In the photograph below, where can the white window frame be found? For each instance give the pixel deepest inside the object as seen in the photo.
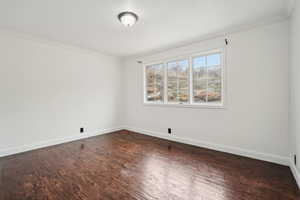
(145, 84)
(190, 103)
(166, 101)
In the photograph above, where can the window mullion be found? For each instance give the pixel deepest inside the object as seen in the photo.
(177, 78)
(165, 83)
(145, 83)
(206, 79)
(191, 86)
(154, 84)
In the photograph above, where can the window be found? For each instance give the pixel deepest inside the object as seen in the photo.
(196, 80)
(178, 81)
(155, 83)
(207, 79)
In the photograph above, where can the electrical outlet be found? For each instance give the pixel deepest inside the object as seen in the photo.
(81, 130)
(295, 159)
(169, 130)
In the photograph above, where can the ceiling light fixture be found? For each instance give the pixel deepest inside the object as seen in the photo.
(128, 18)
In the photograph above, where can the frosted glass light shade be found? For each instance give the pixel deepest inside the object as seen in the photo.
(128, 18)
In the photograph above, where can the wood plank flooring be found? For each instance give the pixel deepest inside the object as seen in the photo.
(125, 165)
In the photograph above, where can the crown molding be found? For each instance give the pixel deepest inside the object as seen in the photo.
(51, 42)
(222, 33)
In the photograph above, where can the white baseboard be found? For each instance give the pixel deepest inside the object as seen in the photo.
(295, 172)
(238, 151)
(24, 148)
(228, 149)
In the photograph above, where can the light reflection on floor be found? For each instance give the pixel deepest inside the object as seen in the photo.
(171, 179)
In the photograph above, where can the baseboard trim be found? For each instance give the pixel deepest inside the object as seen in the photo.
(234, 150)
(24, 148)
(295, 172)
(228, 149)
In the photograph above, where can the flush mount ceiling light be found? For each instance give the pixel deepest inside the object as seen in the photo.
(128, 18)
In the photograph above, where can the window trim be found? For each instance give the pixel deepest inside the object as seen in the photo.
(190, 103)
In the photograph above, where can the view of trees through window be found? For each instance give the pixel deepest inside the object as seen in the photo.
(178, 81)
(203, 75)
(207, 79)
(155, 83)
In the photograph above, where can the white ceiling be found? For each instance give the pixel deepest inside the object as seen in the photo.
(93, 24)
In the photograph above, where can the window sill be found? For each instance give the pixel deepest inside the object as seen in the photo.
(197, 106)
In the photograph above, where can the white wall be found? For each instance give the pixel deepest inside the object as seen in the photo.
(49, 90)
(255, 121)
(295, 83)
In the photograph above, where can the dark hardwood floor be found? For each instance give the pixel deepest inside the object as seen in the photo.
(125, 165)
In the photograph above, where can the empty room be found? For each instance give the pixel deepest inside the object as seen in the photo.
(150, 100)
